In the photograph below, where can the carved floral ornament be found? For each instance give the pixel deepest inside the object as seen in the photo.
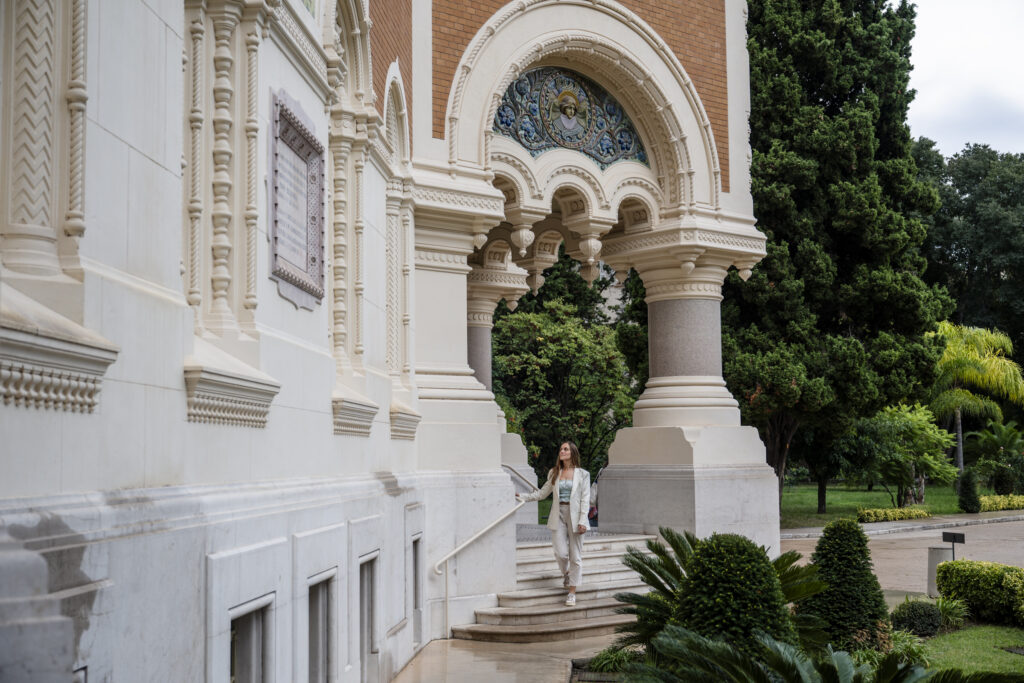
(547, 108)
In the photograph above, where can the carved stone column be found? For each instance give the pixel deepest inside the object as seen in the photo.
(487, 285)
(687, 462)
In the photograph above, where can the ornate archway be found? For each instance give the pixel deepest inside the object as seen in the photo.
(554, 138)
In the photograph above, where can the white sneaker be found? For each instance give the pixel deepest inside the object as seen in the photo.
(570, 600)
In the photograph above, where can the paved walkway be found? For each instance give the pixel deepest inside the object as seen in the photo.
(899, 551)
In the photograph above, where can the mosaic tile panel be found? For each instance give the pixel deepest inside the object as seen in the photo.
(548, 107)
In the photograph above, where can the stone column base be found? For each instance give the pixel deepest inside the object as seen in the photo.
(697, 479)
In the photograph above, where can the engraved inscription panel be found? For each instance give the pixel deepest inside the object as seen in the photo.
(297, 213)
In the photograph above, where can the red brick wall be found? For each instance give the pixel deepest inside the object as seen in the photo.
(391, 38)
(694, 29)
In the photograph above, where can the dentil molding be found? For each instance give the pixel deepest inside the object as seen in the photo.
(223, 390)
(47, 361)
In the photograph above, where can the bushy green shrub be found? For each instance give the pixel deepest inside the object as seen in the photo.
(853, 602)
(1009, 502)
(732, 592)
(1003, 480)
(969, 492)
(953, 612)
(890, 514)
(917, 616)
(993, 592)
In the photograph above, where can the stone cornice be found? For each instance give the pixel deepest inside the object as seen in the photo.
(46, 360)
(404, 421)
(352, 416)
(223, 390)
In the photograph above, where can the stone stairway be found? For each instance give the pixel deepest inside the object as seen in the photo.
(535, 610)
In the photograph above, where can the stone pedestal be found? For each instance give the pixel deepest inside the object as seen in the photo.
(702, 479)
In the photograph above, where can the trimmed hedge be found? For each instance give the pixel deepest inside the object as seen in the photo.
(890, 514)
(1010, 502)
(731, 592)
(993, 592)
(852, 606)
(917, 616)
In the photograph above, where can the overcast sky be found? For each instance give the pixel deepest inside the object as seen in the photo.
(968, 58)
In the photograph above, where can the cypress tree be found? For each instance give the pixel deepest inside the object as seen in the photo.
(831, 325)
(853, 606)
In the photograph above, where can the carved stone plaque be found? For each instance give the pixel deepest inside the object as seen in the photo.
(297, 208)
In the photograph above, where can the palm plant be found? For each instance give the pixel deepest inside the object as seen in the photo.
(975, 366)
(663, 571)
(685, 656)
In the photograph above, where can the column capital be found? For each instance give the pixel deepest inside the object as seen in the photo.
(487, 286)
(685, 262)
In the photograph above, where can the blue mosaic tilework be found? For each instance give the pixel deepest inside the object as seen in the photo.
(547, 107)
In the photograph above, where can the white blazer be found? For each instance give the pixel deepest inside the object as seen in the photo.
(579, 499)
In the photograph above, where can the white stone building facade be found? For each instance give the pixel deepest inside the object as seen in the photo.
(249, 253)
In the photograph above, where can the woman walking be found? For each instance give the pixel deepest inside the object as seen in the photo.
(568, 484)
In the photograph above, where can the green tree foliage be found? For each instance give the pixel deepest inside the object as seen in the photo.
(732, 591)
(830, 326)
(1000, 451)
(975, 365)
(852, 606)
(912, 450)
(631, 330)
(562, 380)
(974, 248)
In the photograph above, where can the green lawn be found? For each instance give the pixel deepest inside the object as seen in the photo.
(977, 648)
(543, 508)
(800, 503)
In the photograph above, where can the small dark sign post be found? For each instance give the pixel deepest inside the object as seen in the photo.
(952, 539)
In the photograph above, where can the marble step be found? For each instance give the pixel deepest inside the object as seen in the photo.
(547, 614)
(553, 577)
(532, 633)
(597, 558)
(616, 543)
(553, 595)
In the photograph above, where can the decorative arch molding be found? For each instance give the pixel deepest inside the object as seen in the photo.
(347, 44)
(630, 60)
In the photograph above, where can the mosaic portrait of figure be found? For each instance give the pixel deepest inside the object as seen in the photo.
(547, 108)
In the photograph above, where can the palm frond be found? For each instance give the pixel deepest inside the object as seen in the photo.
(651, 570)
(798, 581)
(948, 402)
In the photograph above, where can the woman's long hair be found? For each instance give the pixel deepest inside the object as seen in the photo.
(574, 460)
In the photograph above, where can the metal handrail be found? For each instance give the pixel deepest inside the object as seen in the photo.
(472, 539)
(521, 477)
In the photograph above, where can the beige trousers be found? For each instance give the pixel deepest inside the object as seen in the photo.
(568, 546)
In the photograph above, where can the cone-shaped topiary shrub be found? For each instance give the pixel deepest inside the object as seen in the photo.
(853, 604)
(969, 501)
(732, 592)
